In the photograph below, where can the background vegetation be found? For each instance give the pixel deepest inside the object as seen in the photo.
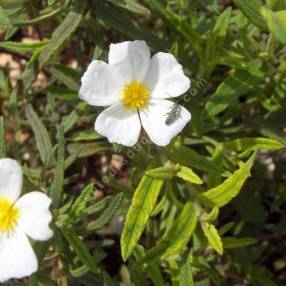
(195, 218)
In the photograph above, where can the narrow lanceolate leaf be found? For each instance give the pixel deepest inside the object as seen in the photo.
(232, 242)
(31, 70)
(132, 6)
(79, 248)
(187, 174)
(177, 237)
(107, 214)
(87, 135)
(188, 157)
(22, 47)
(164, 173)
(3, 143)
(68, 76)
(43, 140)
(225, 192)
(87, 149)
(60, 35)
(70, 120)
(222, 23)
(213, 237)
(246, 145)
(80, 204)
(186, 274)
(235, 85)
(276, 23)
(142, 204)
(58, 181)
(251, 9)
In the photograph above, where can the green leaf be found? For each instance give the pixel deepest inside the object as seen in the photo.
(168, 172)
(235, 85)
(164, 173)
(212, 216)
(208, 5)
(88, 135)
(225, 192)
(5, 22)
(66, 75)
(132, 6)
(276, 23)
(188, 157)
(119, 19)
(41, 18)
(142, 204)
(79, 206)
(80, 249)
(225, 228)
(269, 127)
(42, 137)
(187, 174)
(232, 242)
(70, 120)
(87, 149)
(176, 23)
(98, 206)
(186, 274)
(251, 10)
(222, 23)
(22, 47)
(31, 69)
(62, 93)
(83, 270)
(3, 143)
(276, 5)
(107, 214)
(59, 36)
(58, 181)
(152, 270)
(214, 178)
(177, 237)
(247, 145)
(213, 237)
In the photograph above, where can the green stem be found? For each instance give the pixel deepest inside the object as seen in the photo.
(40, 19)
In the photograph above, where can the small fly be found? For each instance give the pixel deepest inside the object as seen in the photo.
(173, 114)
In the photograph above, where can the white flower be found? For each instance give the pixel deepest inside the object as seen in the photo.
(135, 87)
(20, 218)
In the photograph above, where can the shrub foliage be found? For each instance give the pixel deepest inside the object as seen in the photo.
(209, 209)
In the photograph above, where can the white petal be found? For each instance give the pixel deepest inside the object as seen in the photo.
(119, 125)
(153, 120)
(11, 177)
(166, 77)
(131, 59)
(100, 85)
(35, 215)
(17, 258)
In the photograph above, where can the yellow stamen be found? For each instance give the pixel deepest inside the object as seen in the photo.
(8, 215)
(135, 95)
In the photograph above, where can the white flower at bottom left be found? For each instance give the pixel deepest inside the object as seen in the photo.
(20, 218)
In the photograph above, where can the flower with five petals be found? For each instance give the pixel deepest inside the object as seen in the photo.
(136, 88)
(20, 218)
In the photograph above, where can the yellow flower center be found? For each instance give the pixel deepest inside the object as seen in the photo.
(8, 215)
(135, 95)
